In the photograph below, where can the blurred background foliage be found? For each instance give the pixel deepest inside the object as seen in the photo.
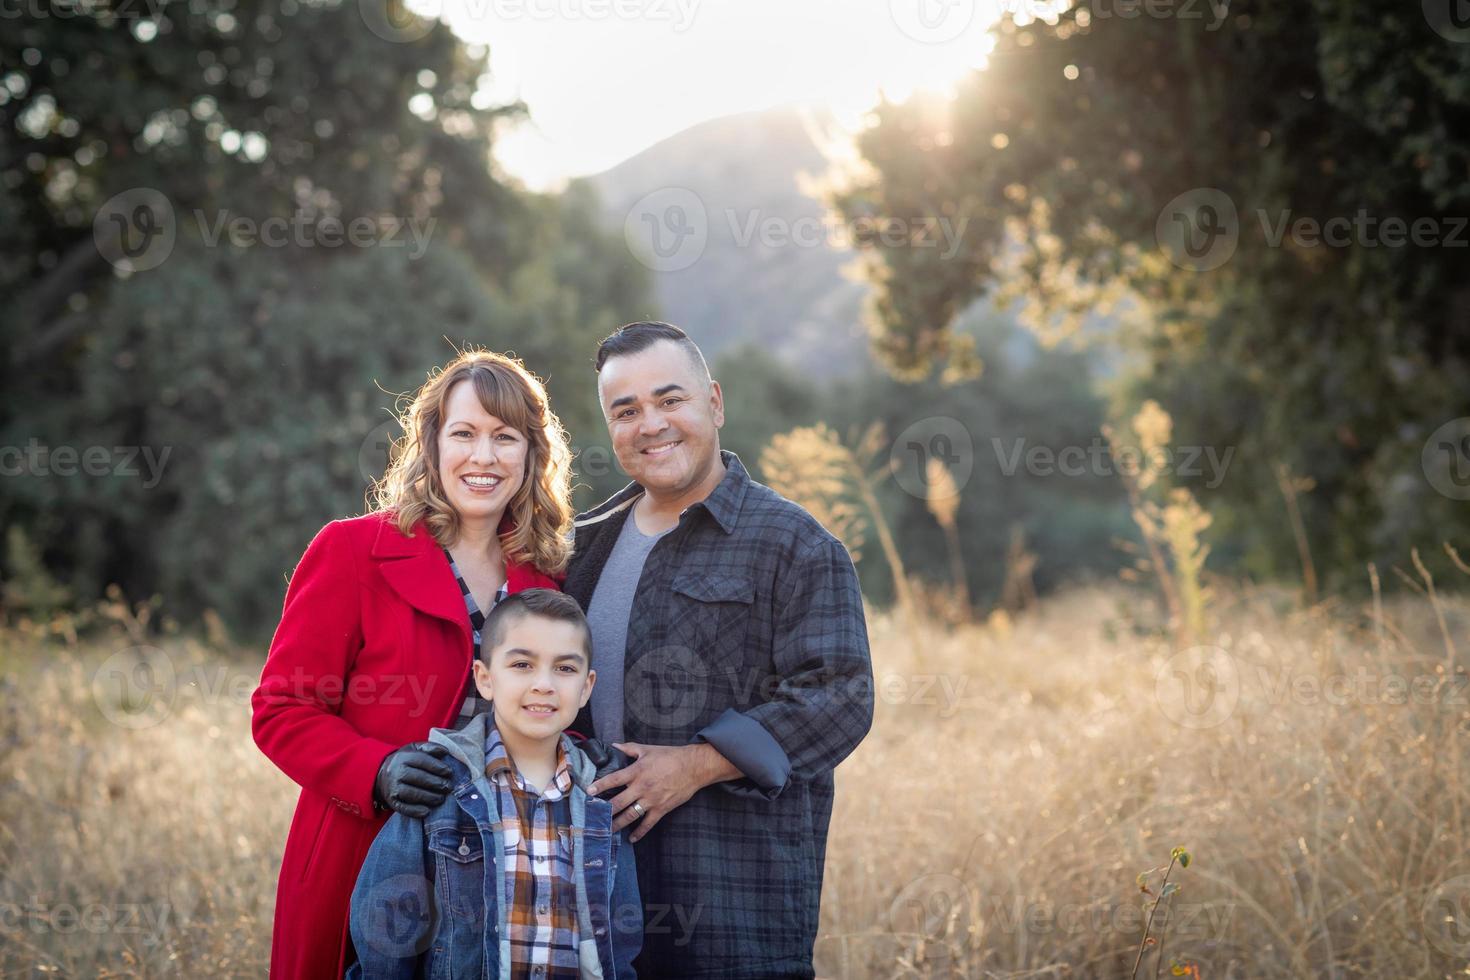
(266, 372)
(1336, 362)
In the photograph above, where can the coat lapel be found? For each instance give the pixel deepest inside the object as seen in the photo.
(417, 570)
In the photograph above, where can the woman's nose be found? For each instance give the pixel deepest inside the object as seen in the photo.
(484, 451)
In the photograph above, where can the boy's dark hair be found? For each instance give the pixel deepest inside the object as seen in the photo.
(634, 338)
(546, 603)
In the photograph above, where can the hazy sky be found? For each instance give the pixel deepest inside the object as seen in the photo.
(607, 78)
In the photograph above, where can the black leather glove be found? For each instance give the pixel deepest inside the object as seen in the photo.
(604, 757)
(413, 779)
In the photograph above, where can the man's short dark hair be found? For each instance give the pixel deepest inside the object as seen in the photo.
(634, 338)
(546, 603)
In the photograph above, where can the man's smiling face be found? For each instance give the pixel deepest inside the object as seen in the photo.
(664, 417)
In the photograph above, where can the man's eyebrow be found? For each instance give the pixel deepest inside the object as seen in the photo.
(657, 393)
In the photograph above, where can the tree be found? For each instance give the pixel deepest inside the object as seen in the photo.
(250, 352)
(1092, 146)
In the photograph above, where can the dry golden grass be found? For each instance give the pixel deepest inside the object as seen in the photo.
(1017, 778)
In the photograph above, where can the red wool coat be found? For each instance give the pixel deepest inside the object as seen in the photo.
(372, 651)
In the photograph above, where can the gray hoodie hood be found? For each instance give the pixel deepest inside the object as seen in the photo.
(468, 746)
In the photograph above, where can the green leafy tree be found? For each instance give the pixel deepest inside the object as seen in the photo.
(263, 371)
(1068, 156)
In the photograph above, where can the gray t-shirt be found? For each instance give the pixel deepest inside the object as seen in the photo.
(607, 615)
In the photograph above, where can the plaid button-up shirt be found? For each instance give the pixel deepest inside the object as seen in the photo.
(746, 632)
(540, 891)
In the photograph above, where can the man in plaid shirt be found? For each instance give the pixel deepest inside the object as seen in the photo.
(732, 661)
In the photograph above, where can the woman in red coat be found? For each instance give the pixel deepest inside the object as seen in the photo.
(378, 629)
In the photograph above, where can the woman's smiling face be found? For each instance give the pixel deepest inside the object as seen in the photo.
(482, 460)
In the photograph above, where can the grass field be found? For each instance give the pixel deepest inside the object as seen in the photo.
(1017, 779)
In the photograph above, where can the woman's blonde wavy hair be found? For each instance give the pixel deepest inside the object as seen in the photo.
(541, 509)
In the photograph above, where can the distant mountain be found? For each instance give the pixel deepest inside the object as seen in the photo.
(769, 273)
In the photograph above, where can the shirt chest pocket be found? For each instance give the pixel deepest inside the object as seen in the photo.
(710, 617)
(691, 664)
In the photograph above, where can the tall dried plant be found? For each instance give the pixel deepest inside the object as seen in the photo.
(814, 467)
(943, 500)
(1171, 520)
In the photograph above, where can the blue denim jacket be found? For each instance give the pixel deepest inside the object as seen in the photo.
(427, 903)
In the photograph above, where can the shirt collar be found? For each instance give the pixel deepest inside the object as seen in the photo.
(500, 769)
(723, 502)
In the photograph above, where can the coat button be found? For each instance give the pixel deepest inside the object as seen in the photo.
(464, 849)
(474, 796)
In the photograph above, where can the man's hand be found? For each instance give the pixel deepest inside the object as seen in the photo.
(661, 778)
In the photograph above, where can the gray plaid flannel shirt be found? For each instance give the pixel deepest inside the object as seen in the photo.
(747, 631)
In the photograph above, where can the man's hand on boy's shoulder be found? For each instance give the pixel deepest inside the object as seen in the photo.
(660, 779)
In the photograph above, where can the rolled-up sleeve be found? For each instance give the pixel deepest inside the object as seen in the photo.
(822, 703)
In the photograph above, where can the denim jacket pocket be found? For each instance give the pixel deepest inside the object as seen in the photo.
(460, 863)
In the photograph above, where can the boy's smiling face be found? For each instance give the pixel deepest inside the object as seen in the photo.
(538, 677)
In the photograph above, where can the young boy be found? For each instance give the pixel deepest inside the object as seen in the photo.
(517, 873)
